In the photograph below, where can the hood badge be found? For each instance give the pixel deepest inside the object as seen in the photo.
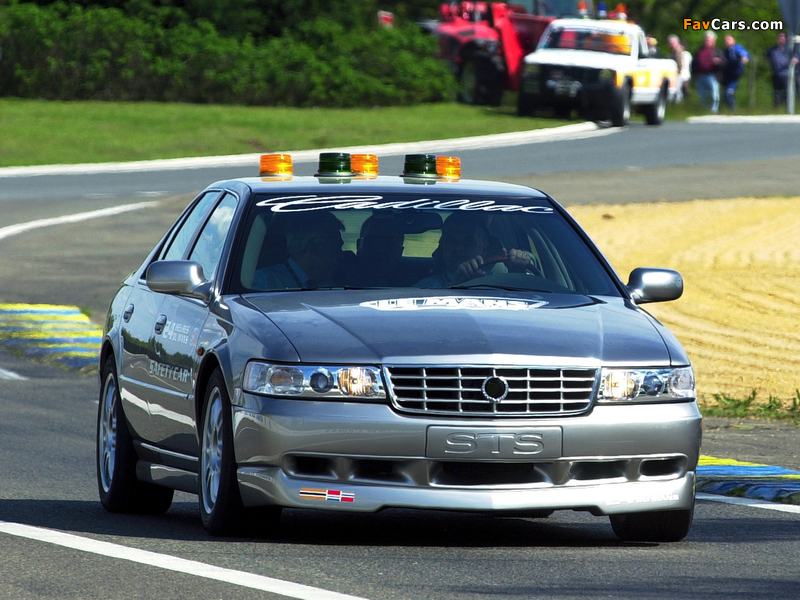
(494, 389)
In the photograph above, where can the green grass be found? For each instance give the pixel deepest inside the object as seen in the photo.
(727, 406)
(35, 132)
(38, 132)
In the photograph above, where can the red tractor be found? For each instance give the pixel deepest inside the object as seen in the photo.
(485, 42)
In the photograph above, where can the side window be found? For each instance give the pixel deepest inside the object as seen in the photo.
(183, 237)
(209, 244)
(644, 50)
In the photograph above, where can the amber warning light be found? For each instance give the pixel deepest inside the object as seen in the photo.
(448, 167)
(364, 164)
(276, 165)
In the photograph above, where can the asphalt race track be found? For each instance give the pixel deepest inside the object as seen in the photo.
(57, 542)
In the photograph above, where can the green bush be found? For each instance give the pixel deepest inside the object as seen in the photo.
(62, 52)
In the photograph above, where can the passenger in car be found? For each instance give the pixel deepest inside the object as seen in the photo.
(314, 251)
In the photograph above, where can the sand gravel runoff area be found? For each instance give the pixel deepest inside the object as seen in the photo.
(739, 316)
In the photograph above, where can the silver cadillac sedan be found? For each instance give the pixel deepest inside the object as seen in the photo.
(354, 342)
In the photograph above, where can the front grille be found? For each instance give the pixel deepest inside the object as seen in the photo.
(582, 74)
(457, 391)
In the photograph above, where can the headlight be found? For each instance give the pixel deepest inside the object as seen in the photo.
(313, 381)
(607, 75)
(646, 385)
(532, 69)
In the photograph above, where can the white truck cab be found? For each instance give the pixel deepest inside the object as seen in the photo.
(601, 68)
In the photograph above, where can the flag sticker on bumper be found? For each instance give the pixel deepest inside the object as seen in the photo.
(331, 495)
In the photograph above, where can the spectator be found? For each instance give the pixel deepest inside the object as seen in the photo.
(736, 57)
(652, 47)
(683, 58)
(707, 63)
(779, 60)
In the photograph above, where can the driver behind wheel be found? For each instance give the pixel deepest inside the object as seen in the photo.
(466, 251)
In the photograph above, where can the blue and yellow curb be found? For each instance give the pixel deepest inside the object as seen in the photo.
(52, 334)
(748, 480)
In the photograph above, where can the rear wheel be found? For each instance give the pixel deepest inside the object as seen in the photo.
(654, 113)
(118, 487)
(480, 82)
(656, 526)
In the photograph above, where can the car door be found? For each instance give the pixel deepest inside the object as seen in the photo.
(140, 366)
(177, 332)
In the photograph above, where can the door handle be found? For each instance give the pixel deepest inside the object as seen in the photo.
(126, 316)
(162, 321)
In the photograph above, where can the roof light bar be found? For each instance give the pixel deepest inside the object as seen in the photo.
(276, 165)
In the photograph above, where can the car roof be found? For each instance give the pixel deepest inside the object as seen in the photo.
(380, 184)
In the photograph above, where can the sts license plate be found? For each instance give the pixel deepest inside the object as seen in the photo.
(500, 443)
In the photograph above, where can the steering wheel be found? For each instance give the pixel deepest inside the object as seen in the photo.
(490, 261)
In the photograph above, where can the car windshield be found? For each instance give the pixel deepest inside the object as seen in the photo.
(595, 40)
(399, 241)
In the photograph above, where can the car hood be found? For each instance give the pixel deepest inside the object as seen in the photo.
(420, 327)
(579, 58)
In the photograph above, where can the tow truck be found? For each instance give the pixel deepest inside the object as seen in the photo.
(485, 42)
(600, 67)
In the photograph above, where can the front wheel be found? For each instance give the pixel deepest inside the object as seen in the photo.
(655, 526)
(621, 111)
(118, 487)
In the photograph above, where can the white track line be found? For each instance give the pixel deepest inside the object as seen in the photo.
(172, 563)
(515, 138)
(10, 375)
(105, 212)
(790, 508)
(735, 119)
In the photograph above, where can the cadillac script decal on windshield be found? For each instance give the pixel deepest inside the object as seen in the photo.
(308, 203)
(453, 303)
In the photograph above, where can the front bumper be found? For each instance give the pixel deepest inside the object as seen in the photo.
(366, 457)
(581, 95)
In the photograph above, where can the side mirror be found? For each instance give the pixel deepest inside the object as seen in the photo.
(178, 278)
(655, 285)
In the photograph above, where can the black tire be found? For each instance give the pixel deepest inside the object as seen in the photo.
(654, 113)
(118, 487)
(656, 526)
(480, 82)
(621, 111)
(220, 502)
